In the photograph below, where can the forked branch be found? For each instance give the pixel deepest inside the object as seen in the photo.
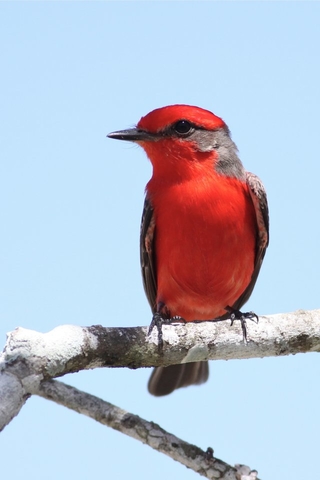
(31, 359)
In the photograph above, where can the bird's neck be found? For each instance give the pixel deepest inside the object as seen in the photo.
(172, 171)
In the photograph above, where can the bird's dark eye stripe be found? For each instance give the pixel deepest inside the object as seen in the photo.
(182, 127)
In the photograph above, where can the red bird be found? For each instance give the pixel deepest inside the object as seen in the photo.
(205, 226)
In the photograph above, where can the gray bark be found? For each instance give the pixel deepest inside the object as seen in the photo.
(31, 359)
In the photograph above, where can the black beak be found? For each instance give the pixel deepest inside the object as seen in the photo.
(133, 135)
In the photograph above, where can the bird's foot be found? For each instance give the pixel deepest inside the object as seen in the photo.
(243, 317)
(157, 321)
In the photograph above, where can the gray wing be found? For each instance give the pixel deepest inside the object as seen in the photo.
(259, 200)
(147, 255)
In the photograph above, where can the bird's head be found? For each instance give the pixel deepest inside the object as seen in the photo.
(182, 140)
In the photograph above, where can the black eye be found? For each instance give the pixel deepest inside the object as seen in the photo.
(182, 127)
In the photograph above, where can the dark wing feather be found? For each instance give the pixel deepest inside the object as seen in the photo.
(259, 200)
(147, 255)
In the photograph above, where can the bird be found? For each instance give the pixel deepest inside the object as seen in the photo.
(204, 227)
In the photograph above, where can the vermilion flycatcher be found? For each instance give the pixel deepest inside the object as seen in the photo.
(204, 229)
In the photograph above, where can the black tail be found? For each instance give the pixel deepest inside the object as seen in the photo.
(165, 380)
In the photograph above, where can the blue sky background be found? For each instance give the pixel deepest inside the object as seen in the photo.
(71, 203)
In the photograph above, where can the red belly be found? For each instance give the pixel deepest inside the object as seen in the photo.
(204, 245)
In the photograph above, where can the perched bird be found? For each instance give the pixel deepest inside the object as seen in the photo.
(204, 229)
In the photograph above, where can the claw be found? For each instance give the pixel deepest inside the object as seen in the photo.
(243, 317)
(157, 321)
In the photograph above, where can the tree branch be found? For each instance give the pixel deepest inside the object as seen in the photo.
(69, 348)
(146, 432)
(30, 358)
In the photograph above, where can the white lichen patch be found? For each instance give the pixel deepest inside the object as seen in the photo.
(54, 347)
(196, 353)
